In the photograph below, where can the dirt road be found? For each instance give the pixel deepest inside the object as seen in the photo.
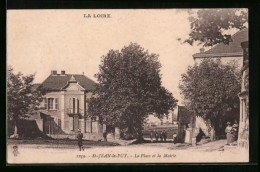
(136, 153)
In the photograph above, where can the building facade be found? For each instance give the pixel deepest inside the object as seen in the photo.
(152, 120)
(232, 53)
(243, 135)
(64, 110)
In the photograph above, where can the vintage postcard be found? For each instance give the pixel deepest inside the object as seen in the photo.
(127, 86)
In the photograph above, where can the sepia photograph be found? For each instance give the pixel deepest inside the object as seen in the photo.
(127, 86)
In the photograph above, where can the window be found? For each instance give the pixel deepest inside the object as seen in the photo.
(45, 103)
(74, 105)
(51, 103)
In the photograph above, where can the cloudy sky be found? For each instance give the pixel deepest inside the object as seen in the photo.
(39, 41)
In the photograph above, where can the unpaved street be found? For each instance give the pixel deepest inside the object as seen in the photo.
(137, 153)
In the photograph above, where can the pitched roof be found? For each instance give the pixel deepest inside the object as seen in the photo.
(232, 50)
(184, 115)
(57, 82)
(35, 86)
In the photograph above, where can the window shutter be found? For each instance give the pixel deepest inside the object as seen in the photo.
(69, 105)
(49, 103)
(56, 103)
(45, 103)
(74, 106)
(77, 105)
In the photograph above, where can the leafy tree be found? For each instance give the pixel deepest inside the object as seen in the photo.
(129, 89)
(211, 91)
(209, 26)
(23, 100)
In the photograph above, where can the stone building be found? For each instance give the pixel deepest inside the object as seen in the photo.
(64, 107)
(232, 53)
(243, 136)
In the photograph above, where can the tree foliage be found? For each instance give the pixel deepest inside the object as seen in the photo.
(211, 90)
(23, 100)
(209, 25)
(130, 88)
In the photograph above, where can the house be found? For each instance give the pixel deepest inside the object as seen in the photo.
(152, 120)
(64, 108)
(232, 53)
(243, 135)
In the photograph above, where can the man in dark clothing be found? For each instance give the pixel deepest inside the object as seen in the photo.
(80, 137)
(151, 136)
(174, 138)
(105, 136)
(156, 136)
(164, 135)
(161, 136)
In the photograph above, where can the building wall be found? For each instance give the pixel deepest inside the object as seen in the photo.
(243, 135)
(153, 120)
(60, 124)
(225, 60)
(68, 99)
(57, 112)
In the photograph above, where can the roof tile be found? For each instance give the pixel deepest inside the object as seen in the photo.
(57, 82)
(231, 50)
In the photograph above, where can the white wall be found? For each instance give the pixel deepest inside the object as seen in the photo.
(226, 60)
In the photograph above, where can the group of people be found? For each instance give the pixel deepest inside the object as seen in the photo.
(162, 135)
(231, 132)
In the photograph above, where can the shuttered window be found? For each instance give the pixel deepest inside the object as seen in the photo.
(45, 103)
(56, 103)
(50, 103)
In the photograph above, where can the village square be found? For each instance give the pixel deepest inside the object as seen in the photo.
(128, 103)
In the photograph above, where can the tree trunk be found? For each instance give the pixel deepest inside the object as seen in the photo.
(140, 135)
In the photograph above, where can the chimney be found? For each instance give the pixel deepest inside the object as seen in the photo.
(54, 72)
(63, 72)
(202, 50)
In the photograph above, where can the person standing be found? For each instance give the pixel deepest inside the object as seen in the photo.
(151, 136)
(105, 136)
(174, 138)
(80, 137)
(165, 135)
(235, 130)
(156, 136)
(228, 132)
(161, 136)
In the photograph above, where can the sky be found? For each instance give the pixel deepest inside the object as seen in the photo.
(39, 41)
